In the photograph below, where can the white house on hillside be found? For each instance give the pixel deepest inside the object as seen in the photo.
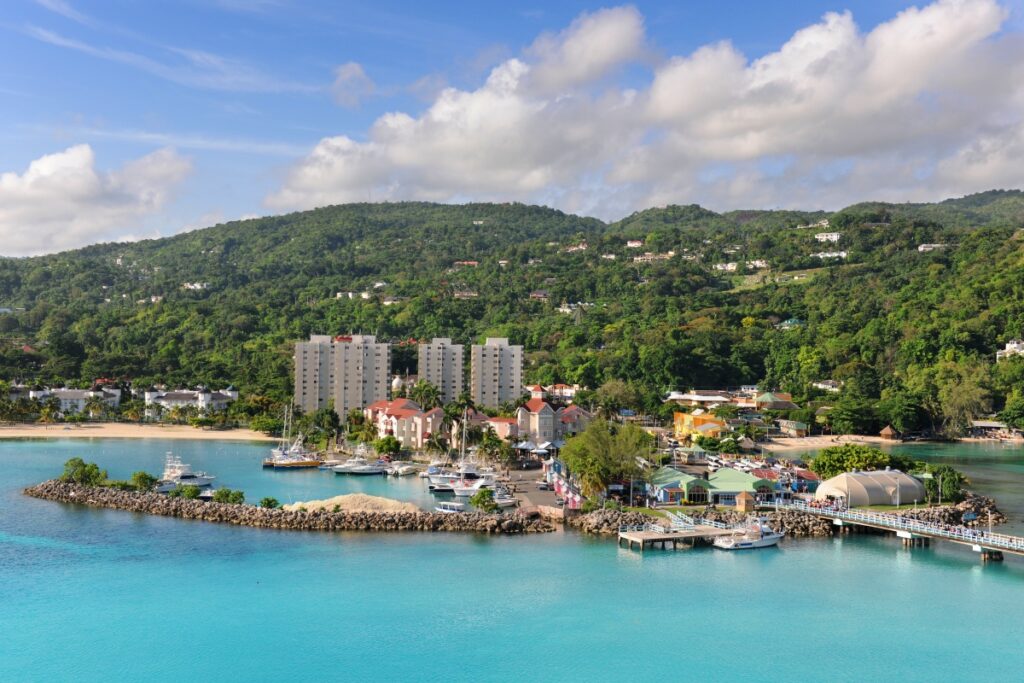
(202, 399)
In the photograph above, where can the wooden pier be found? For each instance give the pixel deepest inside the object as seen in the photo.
(653, 535)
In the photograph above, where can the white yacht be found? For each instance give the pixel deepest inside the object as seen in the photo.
(401, 470)
(466, 472)
(755, 534)
(465, 488)
(504, 499)
(359, 465)
(177, 473)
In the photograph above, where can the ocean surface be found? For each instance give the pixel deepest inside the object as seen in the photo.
(102, 595)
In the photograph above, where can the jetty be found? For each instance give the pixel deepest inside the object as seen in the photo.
(653, 535)
(990, 546)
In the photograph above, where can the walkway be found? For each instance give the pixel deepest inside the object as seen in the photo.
(989, 544)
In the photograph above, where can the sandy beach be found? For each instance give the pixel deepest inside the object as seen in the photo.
(810, 443)
(116, 430)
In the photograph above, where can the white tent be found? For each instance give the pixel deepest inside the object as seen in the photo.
(881, 487)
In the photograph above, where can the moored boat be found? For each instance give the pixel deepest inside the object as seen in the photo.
(754, 534)
(450, 507)
(177, 473)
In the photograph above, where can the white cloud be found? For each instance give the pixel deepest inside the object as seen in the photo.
(191, 68)
(351, 85)
(63, 201)
(926, 105)
(591, 47)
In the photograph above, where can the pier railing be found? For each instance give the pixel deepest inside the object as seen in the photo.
(897, 523)
(680, 520)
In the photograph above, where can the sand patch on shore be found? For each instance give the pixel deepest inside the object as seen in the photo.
(355, 502)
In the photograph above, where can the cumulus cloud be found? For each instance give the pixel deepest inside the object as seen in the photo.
(925, 105)
(351, 85)
(63, 201)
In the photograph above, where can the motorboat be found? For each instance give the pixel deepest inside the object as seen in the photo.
(754, 534)
(360, 466)
(177, 473)
(464, 489)
(450, 507)
(401, 470)
(466, 472)
(504, 499)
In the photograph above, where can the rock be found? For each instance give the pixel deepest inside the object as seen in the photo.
(315, 520)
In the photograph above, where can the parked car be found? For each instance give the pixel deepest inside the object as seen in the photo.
(543, 486)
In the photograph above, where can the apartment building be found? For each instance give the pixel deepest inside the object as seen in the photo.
(353, 370)
(441, 365)
(496, 372)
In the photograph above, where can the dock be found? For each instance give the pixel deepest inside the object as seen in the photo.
(648, 535)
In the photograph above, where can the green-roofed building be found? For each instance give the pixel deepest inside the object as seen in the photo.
(674, 487)
(772, 401)
(727, 483)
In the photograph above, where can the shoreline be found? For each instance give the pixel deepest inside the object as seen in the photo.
(119, 430)
(801, 443)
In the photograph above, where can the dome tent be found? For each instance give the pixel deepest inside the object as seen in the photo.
(880, 487)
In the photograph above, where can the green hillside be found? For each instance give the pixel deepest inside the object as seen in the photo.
(898, 326)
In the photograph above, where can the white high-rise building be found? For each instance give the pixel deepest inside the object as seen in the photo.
(354, 371)
(496, 372)
(441, 365)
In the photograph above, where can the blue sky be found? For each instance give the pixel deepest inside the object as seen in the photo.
(247, 103)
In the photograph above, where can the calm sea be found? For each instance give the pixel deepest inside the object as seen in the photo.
(90, 595)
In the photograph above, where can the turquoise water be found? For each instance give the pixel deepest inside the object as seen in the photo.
(106, 595)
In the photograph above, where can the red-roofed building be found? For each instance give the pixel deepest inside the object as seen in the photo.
(537, 391)
(506, 428)
(404, 420)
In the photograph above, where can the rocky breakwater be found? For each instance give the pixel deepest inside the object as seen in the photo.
(300, 520)
(795, 524)
(973, 511)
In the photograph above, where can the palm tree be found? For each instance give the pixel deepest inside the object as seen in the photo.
(95, 406)
(425, 394)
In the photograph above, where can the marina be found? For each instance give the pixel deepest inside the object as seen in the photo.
(603, 599)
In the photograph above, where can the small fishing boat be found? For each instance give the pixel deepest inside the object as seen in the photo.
(450, 507)
(400, 470)
(754, 534)
(465, 489)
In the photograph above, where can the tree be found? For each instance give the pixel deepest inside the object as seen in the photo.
(143, 481)
(483, 500)
(1013, 413)
(188, 491)
(387, 445)
(951, 480)
(425, 394)
(853, 415)
(78, 471)
(269, 503)
(96, 407)
(835, 460)
(228, 496)
(602, 454)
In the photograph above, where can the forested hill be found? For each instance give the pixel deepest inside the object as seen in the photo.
(224, 304)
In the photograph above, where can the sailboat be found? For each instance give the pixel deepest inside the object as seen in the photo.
(466, 479)
(291, 455)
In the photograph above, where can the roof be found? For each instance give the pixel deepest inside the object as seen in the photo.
(503, 420)
(671, 477)
(378, 405)
(535, 405)
(535, 387)
(728, 479)
(765, 473)
(879, 487)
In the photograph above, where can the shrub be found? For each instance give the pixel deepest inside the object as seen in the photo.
(270, 503)
(230, 497)
(188, 491)
(483, 500)
(78, 471)
(143, 481)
